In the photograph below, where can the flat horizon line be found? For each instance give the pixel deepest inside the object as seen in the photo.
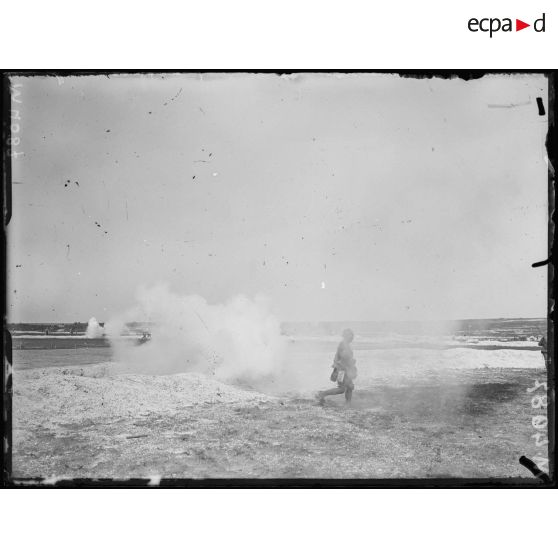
(307, 321)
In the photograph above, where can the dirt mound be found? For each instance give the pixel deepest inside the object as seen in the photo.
(56, 396)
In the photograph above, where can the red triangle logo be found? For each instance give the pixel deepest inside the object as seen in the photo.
(519, 25)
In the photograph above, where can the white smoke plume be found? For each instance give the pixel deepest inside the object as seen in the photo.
(94, 329)
(237, 340)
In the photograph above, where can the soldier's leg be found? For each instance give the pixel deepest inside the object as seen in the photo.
(334, 391)
(349, 388)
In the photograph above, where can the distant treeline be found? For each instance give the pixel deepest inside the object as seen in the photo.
(75, 327)
(501, 326)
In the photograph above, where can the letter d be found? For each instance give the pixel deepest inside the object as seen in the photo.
(541, 30)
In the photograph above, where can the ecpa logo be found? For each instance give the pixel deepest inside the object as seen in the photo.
(494, 24)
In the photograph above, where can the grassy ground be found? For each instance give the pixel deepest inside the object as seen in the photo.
(417, 430)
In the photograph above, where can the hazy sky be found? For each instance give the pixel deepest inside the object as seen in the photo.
(359, 197)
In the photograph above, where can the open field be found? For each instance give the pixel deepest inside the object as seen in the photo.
(95, 421)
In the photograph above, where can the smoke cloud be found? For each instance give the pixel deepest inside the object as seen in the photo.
(239, 340)
(94, 329)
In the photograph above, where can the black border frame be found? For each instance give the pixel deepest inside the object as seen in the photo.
(538, 481)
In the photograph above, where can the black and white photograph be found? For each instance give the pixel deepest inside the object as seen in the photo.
(291, 277)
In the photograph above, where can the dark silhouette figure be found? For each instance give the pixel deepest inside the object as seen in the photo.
(344, 370)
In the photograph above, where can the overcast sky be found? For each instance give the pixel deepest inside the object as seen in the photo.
(359, 197)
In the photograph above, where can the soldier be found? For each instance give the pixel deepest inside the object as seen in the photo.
(344, 370)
